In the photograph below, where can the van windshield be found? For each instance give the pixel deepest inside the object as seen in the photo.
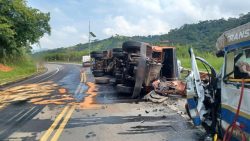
(237, 65)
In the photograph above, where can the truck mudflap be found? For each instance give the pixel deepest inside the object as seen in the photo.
(140, 73)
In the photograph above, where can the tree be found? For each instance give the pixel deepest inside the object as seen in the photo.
(20, 27)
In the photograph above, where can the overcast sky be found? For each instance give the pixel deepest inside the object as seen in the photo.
(69, 18)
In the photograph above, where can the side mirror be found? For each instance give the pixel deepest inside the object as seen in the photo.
(220, 53)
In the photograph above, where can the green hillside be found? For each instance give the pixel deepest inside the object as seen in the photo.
(201, 36)
(204, 34)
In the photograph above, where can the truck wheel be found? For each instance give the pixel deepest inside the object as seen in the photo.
(117, 50)
(118, 54)
(96, 54)
(102, 80)
(131, 45)
(98, 73)
(121, 88)
(118, 76)
(118, 81)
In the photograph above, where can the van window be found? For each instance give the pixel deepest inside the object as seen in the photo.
(237, 65)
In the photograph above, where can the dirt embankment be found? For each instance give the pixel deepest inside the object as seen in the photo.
(4, 68)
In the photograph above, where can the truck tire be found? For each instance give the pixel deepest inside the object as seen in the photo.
(118, 76)
(98, 73)
(118, 81)
(118, 54)
(117, 50)
(121, 88)
(96, 54)
(102, 80)
(131, 45)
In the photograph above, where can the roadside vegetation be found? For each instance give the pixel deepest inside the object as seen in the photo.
(16, 71)
(200, 36)
(20, 27)
(183, 56)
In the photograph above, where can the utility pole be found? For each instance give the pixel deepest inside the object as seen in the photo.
(91, 34)
(89, 38)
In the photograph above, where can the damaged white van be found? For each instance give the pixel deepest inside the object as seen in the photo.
(221, 102)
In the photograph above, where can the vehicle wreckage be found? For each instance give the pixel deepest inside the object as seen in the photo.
(220, 103)
(138, 66)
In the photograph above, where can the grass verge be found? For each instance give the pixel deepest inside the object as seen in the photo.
(212, 60)
(20, 70)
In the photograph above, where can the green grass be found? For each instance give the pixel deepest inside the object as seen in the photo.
(212, 60)
(20, 70)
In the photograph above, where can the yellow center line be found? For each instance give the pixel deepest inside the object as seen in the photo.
(63, 124)
(55, 123)
(67, 111)
(85, 78)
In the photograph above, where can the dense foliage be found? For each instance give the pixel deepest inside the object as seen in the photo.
(20, 27)
(204, 34)
(201, 36)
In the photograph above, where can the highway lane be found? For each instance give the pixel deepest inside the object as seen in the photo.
(60, 107)
(24, 119)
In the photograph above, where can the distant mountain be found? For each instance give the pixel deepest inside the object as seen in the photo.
(201, 36)
(204, 34)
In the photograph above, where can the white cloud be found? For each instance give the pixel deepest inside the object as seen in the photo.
(57, 10)
(69, 29)
(69, 19)
(149, 5)
(146, 26)
(63, 37)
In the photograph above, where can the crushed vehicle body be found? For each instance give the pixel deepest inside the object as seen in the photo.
(138, 68)
(137, 65)
(168, 82)
(221, 103)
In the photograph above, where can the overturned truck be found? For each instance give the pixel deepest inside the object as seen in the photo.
(137, 65)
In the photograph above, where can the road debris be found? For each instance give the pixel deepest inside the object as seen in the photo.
(89, 101)
(41, 94)
(172, 88)
(154, 97)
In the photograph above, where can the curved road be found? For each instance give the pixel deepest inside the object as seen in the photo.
(57, 106)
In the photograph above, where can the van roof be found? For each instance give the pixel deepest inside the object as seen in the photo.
(233, 37)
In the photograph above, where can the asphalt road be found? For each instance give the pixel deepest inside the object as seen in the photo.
(57, 106)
